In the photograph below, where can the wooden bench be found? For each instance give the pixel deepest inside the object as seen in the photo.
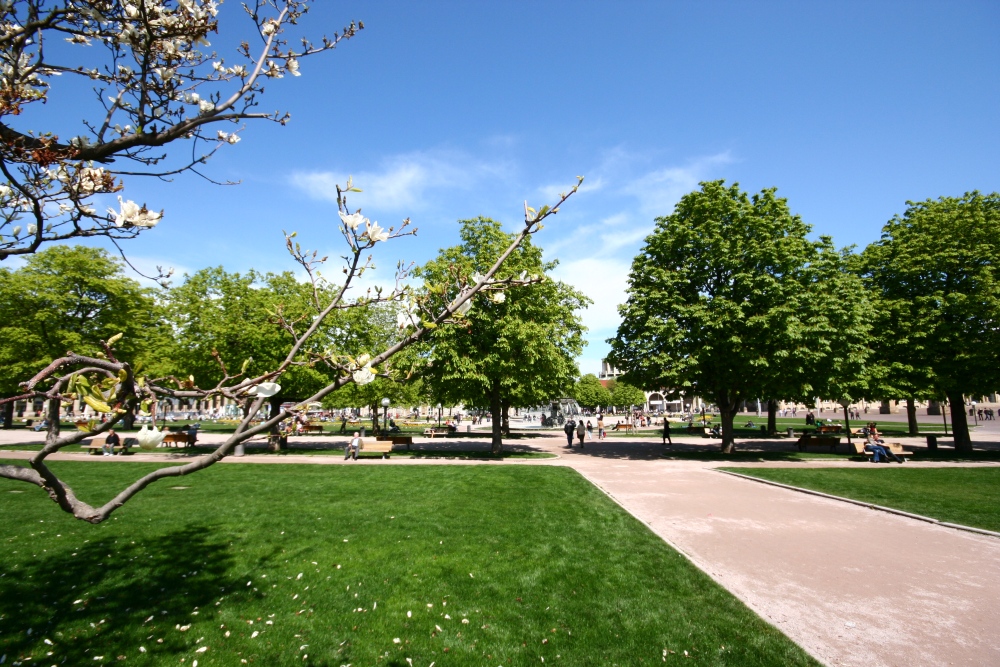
(811, 440)
(829, 428)
(699, 429)
(628, 428)
(312, 428)
(894, 447)
(383, 447)
(433, 432)
(96, 446)
(176, 438)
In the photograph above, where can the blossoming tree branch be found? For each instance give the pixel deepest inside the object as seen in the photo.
(155, 84)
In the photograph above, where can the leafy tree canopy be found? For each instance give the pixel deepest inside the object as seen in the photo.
(514, 348)
(71, 298)
(729, 300)
(590, 393)
(935, 270)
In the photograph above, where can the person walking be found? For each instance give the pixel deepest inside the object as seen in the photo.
(600, 426)
(666, 432)
(581, 432)
(569, 428)
(590, 431)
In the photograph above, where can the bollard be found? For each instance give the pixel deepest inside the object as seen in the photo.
(239, 450)
(932, 442)
(362, 431)
(468, 428)
(791, 432)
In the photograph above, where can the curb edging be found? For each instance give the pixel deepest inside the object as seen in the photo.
(861, 503)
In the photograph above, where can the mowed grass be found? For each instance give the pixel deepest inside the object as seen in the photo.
(967, 496)
(366, 565)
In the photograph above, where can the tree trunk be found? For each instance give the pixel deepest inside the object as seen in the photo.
(8, 415)
(496, 423)
(911, 416)
(275, 440)
(374, 409)
(727, 412)
(772, 417)
(505, 427)
(959, 423)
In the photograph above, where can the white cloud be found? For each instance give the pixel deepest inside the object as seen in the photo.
(405, 182)
(658, 191)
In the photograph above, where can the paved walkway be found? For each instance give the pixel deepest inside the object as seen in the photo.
(851, 585)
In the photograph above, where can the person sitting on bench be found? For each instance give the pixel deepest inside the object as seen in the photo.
(353, 447)
(393, 428)
(110, 442)
(877, 447)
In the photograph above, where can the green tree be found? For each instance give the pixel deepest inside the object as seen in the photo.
(513, 349)
(72, 298)
(590, 393)
(625, 395)
(723, 303)
(935, 268)
(229, 318)
(375, 328)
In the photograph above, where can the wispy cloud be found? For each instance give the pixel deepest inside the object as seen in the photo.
(407, 182)
(658, 191)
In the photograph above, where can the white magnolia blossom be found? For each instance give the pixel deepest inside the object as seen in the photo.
(150, 438)
(352, 221)
(32, 229)
(265, 389)
(90, 180)
(132, 215)
(498, 297)
(464, 308)
(206, 106)
(376, 233)
(363, 375)
(229, 138)
(269, 28)
(292, 65)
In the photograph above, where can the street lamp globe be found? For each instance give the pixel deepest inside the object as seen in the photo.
(386, 402)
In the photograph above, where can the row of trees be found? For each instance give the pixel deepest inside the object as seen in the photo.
(515, 348)
(590, 393)
(731, 300)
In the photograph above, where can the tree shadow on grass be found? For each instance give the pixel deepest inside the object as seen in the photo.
(113, 595)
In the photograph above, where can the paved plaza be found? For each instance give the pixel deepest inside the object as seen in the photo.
(852, 585)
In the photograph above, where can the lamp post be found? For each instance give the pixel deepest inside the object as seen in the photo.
(975, 414)
(385, 414)
(439, 415)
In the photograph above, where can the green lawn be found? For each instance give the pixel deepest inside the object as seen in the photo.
(968, 496)
(359, 565)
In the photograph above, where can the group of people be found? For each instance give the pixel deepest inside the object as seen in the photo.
(584, 430)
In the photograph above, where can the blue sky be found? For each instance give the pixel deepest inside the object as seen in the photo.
(449, 110)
